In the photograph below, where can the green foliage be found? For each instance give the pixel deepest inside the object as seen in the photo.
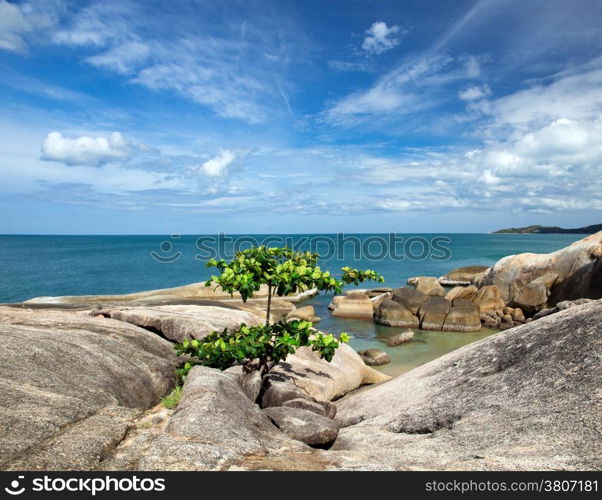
(173, 398)
(285, 271)
(267, 344)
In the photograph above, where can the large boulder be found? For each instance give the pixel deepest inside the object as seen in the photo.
(306, 313)
(72, 385)
(354, 305)
(464, 316)
(433, 313)
(410, 298)
(489, 299)
(392, 313)
(527, 399)
(322, 380)
(399, 338)
(537, 281)
(180, 322)
(304, 425)
(214, 427)
(176, 295)
(374, 357)
(463, 275)
(469, 292)
(428, 285)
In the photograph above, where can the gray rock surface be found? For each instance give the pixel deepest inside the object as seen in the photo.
(538, 281)
(374, 357)
(392, 313)
(354, 305)
(466, 274)
(71, 385)
(428, 285)
(180, 322)
(326, 381)
(324, 408)
(304, 425)
(464, 316)
(410, 298)
(214, 427)
(400, 338)
(433, 313)
(525, 399)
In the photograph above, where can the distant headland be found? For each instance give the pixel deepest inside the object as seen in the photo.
(551, 230)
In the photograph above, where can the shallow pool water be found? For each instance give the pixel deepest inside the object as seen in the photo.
(365, 334)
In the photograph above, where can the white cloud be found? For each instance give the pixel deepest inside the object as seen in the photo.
(122, 58)
(218, 166)
(92, 151)
(417, 84)
(574, 95)
(380, 38)
(19, 21)
(474, 92)
(237, 73)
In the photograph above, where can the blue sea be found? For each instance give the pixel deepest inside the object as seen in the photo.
(32, 266)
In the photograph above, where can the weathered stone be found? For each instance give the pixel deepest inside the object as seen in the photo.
(251, 383)
(374, 357)
(508, 402)
(304, 425)
(322, 380)
(335, 300)
(463, 293)
(214, 426)
(325, 408)
(566, 304)
(377, 300)
(180, 322)
(410, 298)
(306, 313)
(72, 384)
(489, 299)
(429, 286)
(176, 295)
(400, 338)
(392, 313)
(489, 321)
(464, 316)
(354, 305)
(466, 274)
(279, 390)
(506, 322)
(518, 315)
(433, 313)
(538, 281)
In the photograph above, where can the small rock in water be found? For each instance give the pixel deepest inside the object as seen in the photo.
(374, 357)
(400, 338)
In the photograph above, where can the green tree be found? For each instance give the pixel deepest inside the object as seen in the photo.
(284, 271)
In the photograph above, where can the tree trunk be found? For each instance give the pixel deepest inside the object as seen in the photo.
(267, 316)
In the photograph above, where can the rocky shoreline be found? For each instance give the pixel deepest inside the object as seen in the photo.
(82, 379)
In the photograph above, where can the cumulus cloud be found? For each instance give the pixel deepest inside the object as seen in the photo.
(380, 38)
(475, 92)
(218, 166)
(92, 151)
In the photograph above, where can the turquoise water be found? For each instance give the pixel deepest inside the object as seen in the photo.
(32, 266)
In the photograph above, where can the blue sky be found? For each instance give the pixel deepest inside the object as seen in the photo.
(125, 117)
